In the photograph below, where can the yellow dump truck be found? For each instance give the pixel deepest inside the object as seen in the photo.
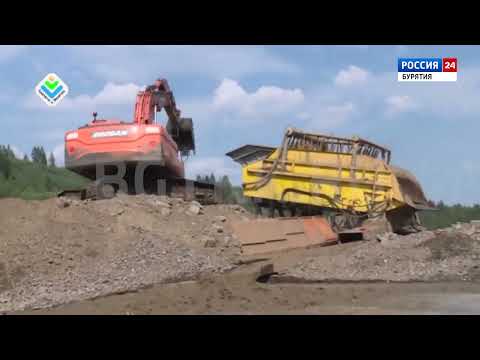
(314, 174)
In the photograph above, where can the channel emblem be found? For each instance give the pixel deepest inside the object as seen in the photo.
(427, 69)
(51, 89)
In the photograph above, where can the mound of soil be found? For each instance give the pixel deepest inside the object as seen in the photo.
(59, 250)
(445, 246)
(447, 254)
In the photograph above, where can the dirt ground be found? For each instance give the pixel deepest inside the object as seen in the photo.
(54, 252)
(443, 255)
(241, 294)
(155, 255)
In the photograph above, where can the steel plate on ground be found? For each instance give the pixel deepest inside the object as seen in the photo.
(270, 235)
(318, 230)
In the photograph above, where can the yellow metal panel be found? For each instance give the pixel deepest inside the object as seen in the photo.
(325, 179)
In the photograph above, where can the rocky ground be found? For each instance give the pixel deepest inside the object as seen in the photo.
(62, 251)
(57, 251)
(447, 254)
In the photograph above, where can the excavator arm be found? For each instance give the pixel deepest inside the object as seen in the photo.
(154, 99)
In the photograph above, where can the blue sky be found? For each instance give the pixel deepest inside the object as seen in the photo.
(250, 94)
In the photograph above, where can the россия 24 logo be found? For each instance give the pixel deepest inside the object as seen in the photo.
(51, 89)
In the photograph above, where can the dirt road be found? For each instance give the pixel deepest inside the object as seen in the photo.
(241, 294)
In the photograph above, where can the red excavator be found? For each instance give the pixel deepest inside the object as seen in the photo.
(103, 149)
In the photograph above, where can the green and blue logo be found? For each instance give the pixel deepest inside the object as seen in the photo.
(51, 89)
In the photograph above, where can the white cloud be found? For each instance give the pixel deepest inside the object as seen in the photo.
(8, 52)
(399, 103)
(266, 100)
(111, 94)
(232, 104)
(448, 100)
(339, 112)
(388, 97)
(59, 154)
(120, 63)
(352, 75)
(19, 154)
(330, 116)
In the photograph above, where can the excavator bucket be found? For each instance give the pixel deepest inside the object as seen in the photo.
(405, 219)
(263, 236)
(183, 135)
(186, 138)
(410, 189)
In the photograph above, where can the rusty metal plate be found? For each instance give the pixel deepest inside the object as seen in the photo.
(317, 229)
(262, 236)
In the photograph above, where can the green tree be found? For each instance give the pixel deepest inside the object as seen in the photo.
(446, 215)
(25, 157)
(226, 190)
(51, 160)
(4, 165)
(10, 153)
(205, 178)
(43, 156)
(7, 152)
(38, 155)
(212, 179)
(35, 154)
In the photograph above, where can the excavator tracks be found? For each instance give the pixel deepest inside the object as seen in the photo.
(185, 189)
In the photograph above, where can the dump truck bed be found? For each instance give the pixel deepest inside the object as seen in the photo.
(327, 171)
(342, 180)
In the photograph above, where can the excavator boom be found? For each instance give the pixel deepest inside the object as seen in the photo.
(153, 100)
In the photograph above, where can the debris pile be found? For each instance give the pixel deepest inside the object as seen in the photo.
(442, 255)
(62, 250)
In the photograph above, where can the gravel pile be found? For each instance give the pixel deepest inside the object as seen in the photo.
(59, 250)
(448, 254)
